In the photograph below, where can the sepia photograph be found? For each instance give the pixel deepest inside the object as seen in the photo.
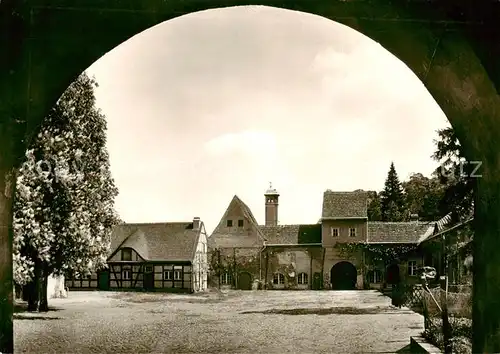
(205, 176)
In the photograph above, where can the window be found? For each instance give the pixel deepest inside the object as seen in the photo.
(225, 279)
(126, 254)
(177, 274)
(412, 268)
(149, 269)
(335, 232)
(240, 223)
(352, 232)
(167, 275)
(375, 276)
(229, 223)
(278, 278)
(302, 278)
(126, 274)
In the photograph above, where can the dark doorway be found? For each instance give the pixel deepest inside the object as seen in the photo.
(103, 277)
(245, 281)
(148, 280)
(392, 274)
(343, 276)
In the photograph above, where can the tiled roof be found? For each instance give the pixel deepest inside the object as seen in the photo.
(292, 234)
(245, 208)
(345, 204)
(398, 232)
(175, 241)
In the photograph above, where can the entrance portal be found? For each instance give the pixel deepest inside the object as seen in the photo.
(392, 274)
(343, 276)
(245, 281)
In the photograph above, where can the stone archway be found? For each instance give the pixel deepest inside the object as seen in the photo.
(343, 276)
(451, 46)
(245, 281)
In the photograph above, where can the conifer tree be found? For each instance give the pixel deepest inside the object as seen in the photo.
(392, 202)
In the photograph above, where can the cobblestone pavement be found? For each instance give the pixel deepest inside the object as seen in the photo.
(219, 322)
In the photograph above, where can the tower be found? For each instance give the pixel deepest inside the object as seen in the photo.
(272, 197)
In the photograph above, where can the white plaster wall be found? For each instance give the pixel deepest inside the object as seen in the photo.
(55, 287)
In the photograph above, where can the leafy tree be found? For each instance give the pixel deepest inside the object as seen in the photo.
(423, 196)
(455, 175)
(64, 203)
(392, 200)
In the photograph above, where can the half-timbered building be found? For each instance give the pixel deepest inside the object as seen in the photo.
(153, 257)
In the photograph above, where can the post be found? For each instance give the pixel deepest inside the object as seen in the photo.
(235, 277)
(7, 180)
(267, 266)
(218, 266)
(444, 297)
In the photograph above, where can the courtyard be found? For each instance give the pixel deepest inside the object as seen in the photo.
(218, 322)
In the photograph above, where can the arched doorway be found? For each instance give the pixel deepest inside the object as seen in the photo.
(392, 275)
(439, 65)
(245, 281)
(343, 276)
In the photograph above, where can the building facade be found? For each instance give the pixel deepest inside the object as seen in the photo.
(246, 255)
(152, 257)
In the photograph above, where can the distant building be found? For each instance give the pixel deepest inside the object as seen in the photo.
(153, 257)
(244, 254)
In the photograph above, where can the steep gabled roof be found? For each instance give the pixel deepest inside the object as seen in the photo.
(292, 234)
(398, 232)
(345, 205)
(174, 241)
(221, 238)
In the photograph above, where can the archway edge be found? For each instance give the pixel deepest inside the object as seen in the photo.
(90, 29)
(48, 44)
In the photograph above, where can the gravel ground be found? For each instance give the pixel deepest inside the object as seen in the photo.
(219, 322)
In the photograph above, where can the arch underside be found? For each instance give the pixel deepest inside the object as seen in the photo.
(454, 50)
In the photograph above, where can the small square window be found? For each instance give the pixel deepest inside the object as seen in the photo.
(167, 275)
(240, 223)
(229, 223)
(126, 275)
(335, 232)
(352, 232)
(149, 269)
(177, 275)
(126, 254)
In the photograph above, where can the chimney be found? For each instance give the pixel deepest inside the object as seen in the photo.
(414, 217)
(196, 223)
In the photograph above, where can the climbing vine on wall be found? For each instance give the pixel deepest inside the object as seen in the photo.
(376, 252)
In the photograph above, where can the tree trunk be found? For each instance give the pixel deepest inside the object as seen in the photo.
(34, 287)
(42, 289)
(486, 263)
(7, 180)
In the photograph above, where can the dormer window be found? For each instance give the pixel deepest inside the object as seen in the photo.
(126, 254)
(240, 223)
(229, 223)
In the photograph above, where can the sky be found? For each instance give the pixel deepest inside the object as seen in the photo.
(222, 102)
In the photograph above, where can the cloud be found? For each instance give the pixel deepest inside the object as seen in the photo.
(250, 143)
